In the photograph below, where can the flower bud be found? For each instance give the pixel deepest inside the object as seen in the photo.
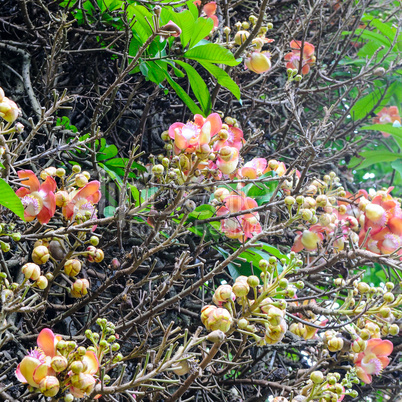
(241, 289)
(42, 282)
(317, 377)
(81, 180)
(50, 171)
(258, 62)
(394, 329)
(240, 37)
(78, 366)
(263, 264)
(40, 255)
(306, 214)
(31, 271)
(99, 255)
(219, 318)
(49, 386)
(9, 110)
(5, 247)
(358, 345)
(289, 201)
(253, 281)
(363, 287)
(79, 288)
(181, 368)
(84, 382)
(60, 172)
(62, 198)
(72, 267)
(389, 297)
(283, 283)
(158, 170)
(339, 282)
(216, 336)
(274, 315)
(91, 250)
(335, 344)
(59, 363)
(223, 293)
(76, 169)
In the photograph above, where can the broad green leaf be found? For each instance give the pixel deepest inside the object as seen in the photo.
(140, 15)
(374, 37)
(122, 163)
(109, 211)
(178, 73)
(198, 86)
(202, 28)
(154, 70)
(372, 157)
(185, 21)
(193, 8)
(397, 165)
(212, 52)
(204, 211)
(108, 152)
(385, 29)
(136, 195)
(223, 78)
(396, 132)
(182, 94)
(365, 105)
(10, 200)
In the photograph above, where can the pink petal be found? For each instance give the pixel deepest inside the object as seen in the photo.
(31, 179)
(216, 123)
(46, 342)
(92, 362)
(382, 348)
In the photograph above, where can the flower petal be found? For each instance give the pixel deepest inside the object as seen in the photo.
(46, 342)
(30, 179)
(92, 362)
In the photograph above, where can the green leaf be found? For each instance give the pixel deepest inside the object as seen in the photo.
(372, 157)
(198, 86)
(122, 163)
(222, 77)
(136, 195)
(182, 94)
(140, 14)
(212, 52)
(387, 128)
(154, 70)
(109, 151)
(10, 200)
(202, 28)
(185, 21)
(202, 212)
(397, 165)
(109, 211)
(193, 8)
(112, 174)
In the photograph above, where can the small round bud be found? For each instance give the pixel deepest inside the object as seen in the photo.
(317, 377)
(242, 323)
(62, 198)
(283, 283)
(41, 282)
(158, 170)
(80, 180)
(253, 281)
(379, 71)
(60, 172)
(72, 267)
(115, 347)
(69, 398)
(76, 169)
(31, 271)
(49, 386)
(81, 351)
(339, 282)
(263, 264)
(394, 329)
(79, 288)
(16, 236)
(389, 297)
(59, 363)
(363, 287)
(99, 255)
(94, 240)
(40, 255)
(290, 201)
(270, 25)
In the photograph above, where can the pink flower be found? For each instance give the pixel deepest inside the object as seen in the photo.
(373, 359)
(83, 201)
(293, 58)
(252, 169)
(243, 226)
(36, 365)
(188, 137)
(209, 10)
(387, 115)
(39, 200)
(258, 62)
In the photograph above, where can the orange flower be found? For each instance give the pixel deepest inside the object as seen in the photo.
(36, 365)
(188, 137)
(258, 62)
(387, 115)
(373, 359)
(209, 10)
(307, 59)
(39, 201)
(243, 226)
(83, 201)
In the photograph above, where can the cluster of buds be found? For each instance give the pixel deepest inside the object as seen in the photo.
(256, 60)
(57, 366)
(8, 230)
(262, 307)
(104, 343)
(204, 147)
(75, 195)
(328, 388)
(324, 216)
